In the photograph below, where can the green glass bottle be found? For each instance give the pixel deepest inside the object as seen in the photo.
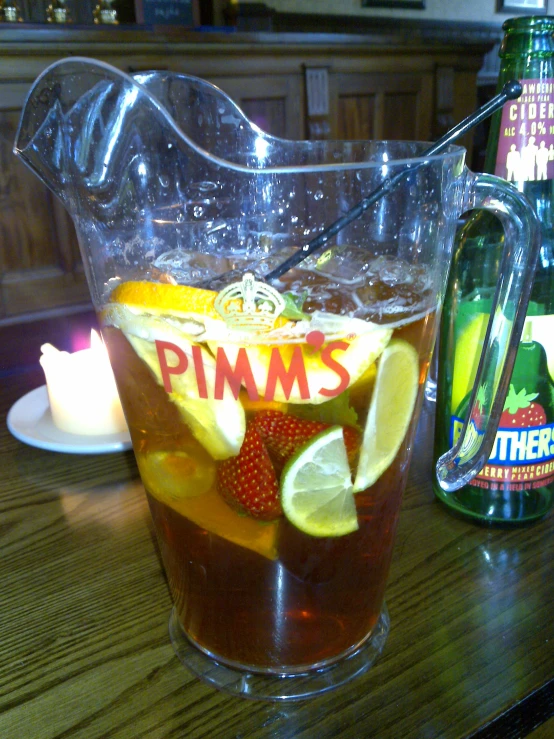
(517, 484)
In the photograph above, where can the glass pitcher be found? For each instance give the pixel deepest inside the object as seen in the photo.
(272, 410)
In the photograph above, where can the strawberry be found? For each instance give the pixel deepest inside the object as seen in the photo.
(284, 435)
(520, 411)
(248, 482)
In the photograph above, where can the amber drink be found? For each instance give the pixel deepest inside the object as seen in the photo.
(229, 414)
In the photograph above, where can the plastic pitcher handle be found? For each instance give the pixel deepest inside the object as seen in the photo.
(521, 250)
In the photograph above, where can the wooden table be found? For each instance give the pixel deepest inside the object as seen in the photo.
(84, 648)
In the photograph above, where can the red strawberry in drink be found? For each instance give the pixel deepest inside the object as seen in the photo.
(284, 435)
(248, 482)
(520, 411)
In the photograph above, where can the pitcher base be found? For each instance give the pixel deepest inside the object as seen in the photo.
(279, 687)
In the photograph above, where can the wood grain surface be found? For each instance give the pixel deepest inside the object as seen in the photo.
(84, 648)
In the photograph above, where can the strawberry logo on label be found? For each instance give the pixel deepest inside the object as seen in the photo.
(520, 411)
(522, 456)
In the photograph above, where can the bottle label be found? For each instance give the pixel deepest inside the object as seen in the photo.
(522, 457)
(526, 142)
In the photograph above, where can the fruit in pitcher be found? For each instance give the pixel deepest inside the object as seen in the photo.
(248, 482)
(334, 353)
(390, 411)
(245, 586)
(178, 474)
(285, 434)
(153, 315)
(316, 487)
(219, 425)
(162, 298)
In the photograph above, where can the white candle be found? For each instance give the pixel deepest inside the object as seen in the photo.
(81, 390)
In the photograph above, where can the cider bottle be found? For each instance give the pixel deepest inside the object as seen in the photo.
(517, 483)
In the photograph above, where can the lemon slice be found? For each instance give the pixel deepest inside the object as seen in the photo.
(185, 481)
(150, 311)
(302, 371)
(390, 411)
(219, 425)
(316, 487)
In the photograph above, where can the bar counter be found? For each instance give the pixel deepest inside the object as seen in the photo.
(85, 652)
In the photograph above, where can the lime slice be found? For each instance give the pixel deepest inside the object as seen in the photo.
(316, 487)
(390, 412)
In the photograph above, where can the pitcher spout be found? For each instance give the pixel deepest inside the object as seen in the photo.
(40, 140)
(72, 129)
(105, 142)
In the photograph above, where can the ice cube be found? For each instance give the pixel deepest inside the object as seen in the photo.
(191, 267)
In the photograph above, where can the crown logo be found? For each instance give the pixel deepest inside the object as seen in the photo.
(249, 305)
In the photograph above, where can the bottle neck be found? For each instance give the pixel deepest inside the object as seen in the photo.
(525, 37)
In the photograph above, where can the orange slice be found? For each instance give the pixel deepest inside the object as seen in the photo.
(165, 298)
(212, 513)
(184, 480)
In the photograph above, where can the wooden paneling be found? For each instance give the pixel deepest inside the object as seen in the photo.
(388, 106)
(400, 116)
(356, 115)
(274, 103)
(25, 226)
(40, 265)
(270, 114)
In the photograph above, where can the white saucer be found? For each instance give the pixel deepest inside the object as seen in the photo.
(30, 421)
